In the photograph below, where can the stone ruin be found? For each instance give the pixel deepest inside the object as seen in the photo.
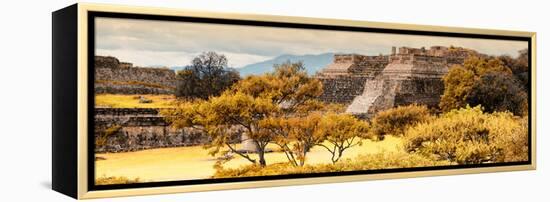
(368, 84)
(144, 128)
(344, 79)
(113, 76)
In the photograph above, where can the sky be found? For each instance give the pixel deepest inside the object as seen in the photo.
(167, 43)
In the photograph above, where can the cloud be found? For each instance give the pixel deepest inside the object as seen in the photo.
(151, 42)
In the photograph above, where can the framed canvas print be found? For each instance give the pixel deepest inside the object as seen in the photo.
(151, 101)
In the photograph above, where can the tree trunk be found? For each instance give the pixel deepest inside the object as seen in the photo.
(303, 161)
(261, 157)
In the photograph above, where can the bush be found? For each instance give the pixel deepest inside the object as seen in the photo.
(469, 136)
(362, 162)
(396, 120)
(115, 180)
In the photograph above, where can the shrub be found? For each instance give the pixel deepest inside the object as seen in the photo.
(363, 162)
(469, 136)
(115, 180)
(388, 160)
(396, 120)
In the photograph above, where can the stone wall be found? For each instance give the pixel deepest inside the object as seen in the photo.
(345, 78)
(425, 91)
(113, 76)
(371, 65)
(141, 129)
(106, 62)
(342, 89)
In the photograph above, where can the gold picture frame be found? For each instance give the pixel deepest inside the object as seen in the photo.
(71, 124)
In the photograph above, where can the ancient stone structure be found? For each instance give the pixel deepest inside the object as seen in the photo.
(113, 76)
(345, 78)
(368, 84)
(141, 128)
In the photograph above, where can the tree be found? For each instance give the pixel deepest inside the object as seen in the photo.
(218, 116)
(499, 92)
(458, 84)
(250, 103)
(519, 67)
(294, 93)
(208, 75)
(296, 135)
(486, 81)
(341, 132)
(288, 86)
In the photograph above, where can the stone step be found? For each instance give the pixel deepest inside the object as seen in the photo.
(362, 103)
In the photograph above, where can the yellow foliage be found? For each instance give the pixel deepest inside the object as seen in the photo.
(469, 136)
(288, 86)
(458, 84)
(342, 131)
(115, 180)
(486, 81)
(396, 120)
(363, 162)
(295, 135)
(256, 104)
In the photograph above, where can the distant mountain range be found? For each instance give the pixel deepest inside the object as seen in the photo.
(312, 63)
(177, 68)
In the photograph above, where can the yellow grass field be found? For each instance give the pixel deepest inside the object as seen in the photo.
(184, 163)
(132, 101)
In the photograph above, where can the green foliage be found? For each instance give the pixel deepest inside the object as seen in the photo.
(115, 180)
(469, 136)
(377, 161)
(208, 75)
(396, 120)
(487, 81)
